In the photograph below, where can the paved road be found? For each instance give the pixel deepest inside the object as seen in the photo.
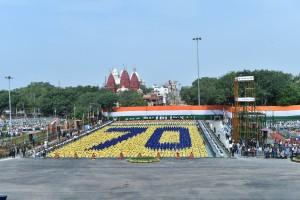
(209, 178)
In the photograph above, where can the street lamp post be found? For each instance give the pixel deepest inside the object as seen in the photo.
(197, 39)
(9, 78)
(90, 114)
(74, 112)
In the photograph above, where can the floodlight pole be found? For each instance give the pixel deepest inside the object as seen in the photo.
(198, 70)
(9, 78)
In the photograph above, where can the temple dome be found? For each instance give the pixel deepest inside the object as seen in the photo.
(134, 82)
(124, 80)
(111, 83)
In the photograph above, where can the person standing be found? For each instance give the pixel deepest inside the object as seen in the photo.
(295, 151)
(235, 148)
(230, 148)
(13, 152)
(18, 150)
(24, 151)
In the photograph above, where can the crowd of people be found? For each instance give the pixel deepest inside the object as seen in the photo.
(155, 122)
(249, 148)
(279, 150)
(168, 138)
(284, 124)
(111, 141)
(275, 150)
(20, 125)
(14, 151)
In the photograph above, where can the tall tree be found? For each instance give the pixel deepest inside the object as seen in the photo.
(272, 88)
(131, 98)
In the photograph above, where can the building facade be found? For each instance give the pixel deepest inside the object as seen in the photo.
(122, 81)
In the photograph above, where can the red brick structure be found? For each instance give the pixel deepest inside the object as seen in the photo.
(124, 80)
(119, 82)
(111, 83)
(134, 82)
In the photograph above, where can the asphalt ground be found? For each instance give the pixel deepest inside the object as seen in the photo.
(206, 178)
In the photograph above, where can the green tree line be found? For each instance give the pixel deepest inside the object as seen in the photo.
(48, 100)
(271, 88)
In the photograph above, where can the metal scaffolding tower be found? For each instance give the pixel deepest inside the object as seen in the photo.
(247, 122)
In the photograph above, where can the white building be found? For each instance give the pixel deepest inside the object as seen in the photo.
(169, 91)
(161, 92)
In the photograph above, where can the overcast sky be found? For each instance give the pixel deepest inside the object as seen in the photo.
(77, 42)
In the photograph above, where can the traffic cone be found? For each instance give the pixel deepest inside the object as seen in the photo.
(75, 155)
(121, 156)
(158, 155)
(177, 155)
(56, 156)
(191, 156)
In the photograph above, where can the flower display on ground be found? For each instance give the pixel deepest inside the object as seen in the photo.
(168, 138)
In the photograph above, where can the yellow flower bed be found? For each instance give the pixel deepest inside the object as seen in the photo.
(133, 146)
(170, 136)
